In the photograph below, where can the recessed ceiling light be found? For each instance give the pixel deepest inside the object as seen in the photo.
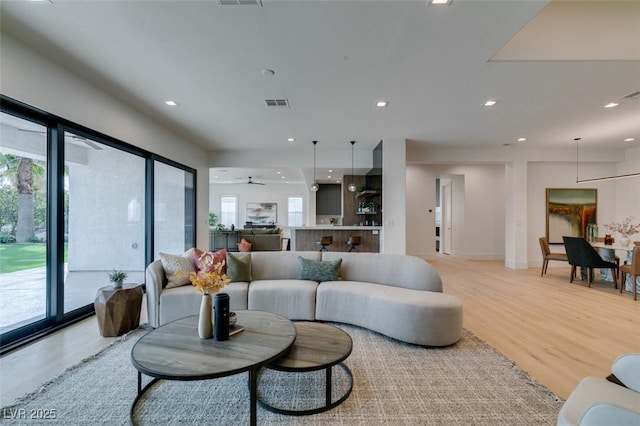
(171, 103)
(329, 177)
(381, 104)
(282, 177)
(279, 172)
(611, 105)
(522, 139)
(330, 171)
(630, 139)
(439, 2)
(490, 103)
(291, 140)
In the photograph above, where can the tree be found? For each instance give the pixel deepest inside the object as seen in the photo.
(23, 170)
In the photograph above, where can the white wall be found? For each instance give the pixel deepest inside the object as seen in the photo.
(562, 175)
(394, 197)
(478, 220)
(628, 190)
(32, 79)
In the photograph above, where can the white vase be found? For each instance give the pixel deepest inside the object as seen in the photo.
(205, 325)
(625, 241)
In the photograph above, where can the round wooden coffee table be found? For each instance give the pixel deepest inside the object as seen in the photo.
(266, 337)
(318, 346)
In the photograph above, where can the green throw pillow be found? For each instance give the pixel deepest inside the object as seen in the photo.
(329, 270)
(239, 267)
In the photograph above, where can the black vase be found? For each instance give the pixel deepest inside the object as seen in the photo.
(221, 322)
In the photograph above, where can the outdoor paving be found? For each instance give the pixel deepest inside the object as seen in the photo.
(23, 293)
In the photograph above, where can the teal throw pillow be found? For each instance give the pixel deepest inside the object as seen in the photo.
(329, 270)
(239, 267)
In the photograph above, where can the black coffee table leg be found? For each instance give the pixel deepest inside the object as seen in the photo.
(253, 394)
(328, 386)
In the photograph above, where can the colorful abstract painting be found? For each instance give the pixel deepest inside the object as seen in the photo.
(569, 211)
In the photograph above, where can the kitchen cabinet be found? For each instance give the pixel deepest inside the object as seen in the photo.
(329, 200)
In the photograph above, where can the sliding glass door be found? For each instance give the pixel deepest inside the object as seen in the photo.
(76, 204)
(104, 221)
(23, 227)
(174, 208)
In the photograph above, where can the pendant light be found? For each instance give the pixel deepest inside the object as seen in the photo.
(352, 186)
(314, 186)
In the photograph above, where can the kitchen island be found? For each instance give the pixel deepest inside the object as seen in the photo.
(305, 238)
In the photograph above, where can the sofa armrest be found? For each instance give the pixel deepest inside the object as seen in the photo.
(154, 280)
(609, 414)
(627, 369)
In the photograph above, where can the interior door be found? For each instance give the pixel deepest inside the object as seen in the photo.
(445, 230)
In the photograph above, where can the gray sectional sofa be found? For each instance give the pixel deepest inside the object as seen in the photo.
(395, 295)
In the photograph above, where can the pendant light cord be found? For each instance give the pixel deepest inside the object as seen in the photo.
(314, 161)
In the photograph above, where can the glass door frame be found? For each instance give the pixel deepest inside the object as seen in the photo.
(55, 317)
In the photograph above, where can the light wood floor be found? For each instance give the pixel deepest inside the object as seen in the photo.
(556, 331)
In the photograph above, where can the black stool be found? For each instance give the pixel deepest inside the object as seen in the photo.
(353, 243)
(324, 242)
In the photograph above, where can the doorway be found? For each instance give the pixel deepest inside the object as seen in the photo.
(445, 230)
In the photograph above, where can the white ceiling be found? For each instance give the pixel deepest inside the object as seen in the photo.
(551, 66)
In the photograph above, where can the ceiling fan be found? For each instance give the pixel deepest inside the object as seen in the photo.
(250, 182)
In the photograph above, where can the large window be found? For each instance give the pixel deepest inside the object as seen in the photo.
(229, 210)
(294, 211)
(174, 192)
(23, 227)
(74, 205)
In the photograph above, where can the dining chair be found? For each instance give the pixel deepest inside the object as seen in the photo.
(547, 255)
(581, 253)
(633, 270)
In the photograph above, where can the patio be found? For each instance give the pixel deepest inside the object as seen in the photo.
(23, 293)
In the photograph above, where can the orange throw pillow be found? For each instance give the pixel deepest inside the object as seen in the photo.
(244, 245)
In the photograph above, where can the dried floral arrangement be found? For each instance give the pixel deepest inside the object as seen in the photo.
(209, 282)
(624, 228)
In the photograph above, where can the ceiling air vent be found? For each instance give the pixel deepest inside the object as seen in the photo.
(240, 2)
(277, 102)
(634, 95)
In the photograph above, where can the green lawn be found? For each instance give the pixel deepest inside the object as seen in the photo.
(16, 257)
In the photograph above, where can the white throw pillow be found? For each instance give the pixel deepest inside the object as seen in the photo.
(177, 268)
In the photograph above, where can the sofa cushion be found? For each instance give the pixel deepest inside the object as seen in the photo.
(177, 268)
(206, 261)
(278, 265)
(184, 301)
(318, 270)
(239, 267)
(294, 299)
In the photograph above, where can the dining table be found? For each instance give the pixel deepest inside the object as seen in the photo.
(608, 253)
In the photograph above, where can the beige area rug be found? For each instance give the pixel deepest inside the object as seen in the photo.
(395, 384)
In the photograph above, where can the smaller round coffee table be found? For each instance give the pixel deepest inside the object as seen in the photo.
(318, 346)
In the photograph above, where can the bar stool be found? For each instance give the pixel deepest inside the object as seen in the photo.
(324, 242)
(353, 243)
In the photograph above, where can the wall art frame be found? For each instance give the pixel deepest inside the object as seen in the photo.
(569, 211)
(262, 213)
